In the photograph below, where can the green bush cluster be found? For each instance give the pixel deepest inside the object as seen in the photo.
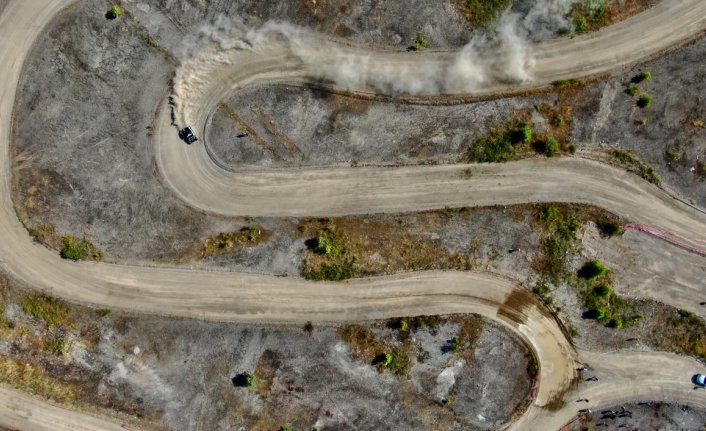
(73, 249)
(561, 227)
(604, 306)
(499, 144)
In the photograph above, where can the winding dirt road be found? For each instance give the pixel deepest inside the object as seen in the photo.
(247, 297)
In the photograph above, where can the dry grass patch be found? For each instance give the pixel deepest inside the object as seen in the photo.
(361, 246)
(227, 242)
(35, 380)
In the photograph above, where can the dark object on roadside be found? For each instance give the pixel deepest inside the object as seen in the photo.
(582, 400)
(411, 48)
(517, 249)
(592, 379)
(631, 339)
(187, 135)
(582, 369)
(702, 303)
(587, 411)
(607, 412)
(241, 135)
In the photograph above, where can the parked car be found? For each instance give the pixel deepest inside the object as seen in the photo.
(700, 380)
(187, 135)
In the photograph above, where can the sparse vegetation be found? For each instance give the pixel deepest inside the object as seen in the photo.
(53, 311)
(250, 235)
(633, 164)
(632, 90)
(499, 145)
(331, 258)
(34, 379)
(482, 12)
(569, 83)
(588, 15)
(560, 225)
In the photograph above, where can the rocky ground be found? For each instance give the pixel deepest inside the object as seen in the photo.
(179, 374)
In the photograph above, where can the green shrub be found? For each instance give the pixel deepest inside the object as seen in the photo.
(521, 135)
(603, 291)
(552, 147)
(616, 323)
(114, 12)
(645, 101)
(244, 380)
(421, 42)
(642, 76)
(327, 244)
(610, 227)
(309, 327)
(632, 90)
(580, 23)
(72, 249)
(592, 269)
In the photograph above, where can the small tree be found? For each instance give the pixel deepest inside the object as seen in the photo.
(592, 269)
(645, 101)
(72, 249)
(244, 380)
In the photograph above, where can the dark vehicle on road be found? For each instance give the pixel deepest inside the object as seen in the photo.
(187, 135)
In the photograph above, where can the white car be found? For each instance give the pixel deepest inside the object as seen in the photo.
(700, 380)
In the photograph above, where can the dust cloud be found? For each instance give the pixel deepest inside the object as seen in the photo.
(501, 54)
